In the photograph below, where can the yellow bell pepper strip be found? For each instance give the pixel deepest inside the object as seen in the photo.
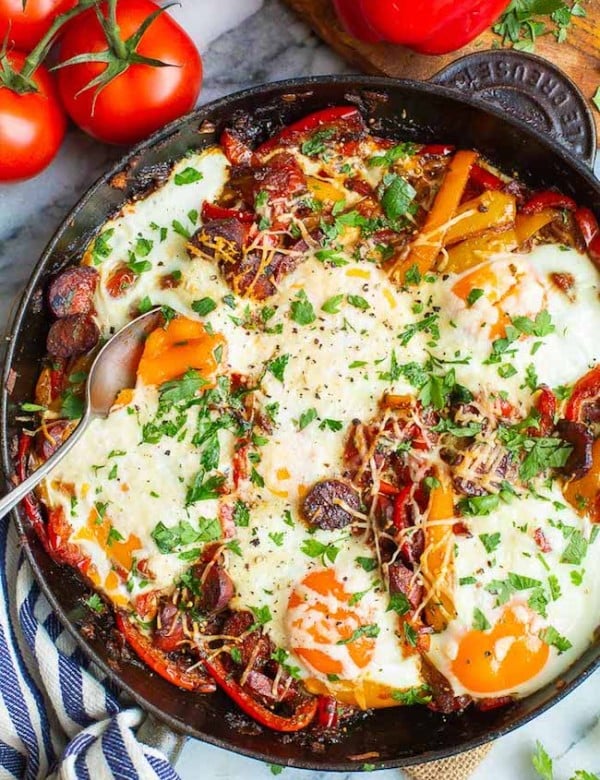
(527, 225)
(492, 210)
(476, 250)
(438, 559)
(322, 190)
(429, 241)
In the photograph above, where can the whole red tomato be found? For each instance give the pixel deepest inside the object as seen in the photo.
(142, 98)
(32, 125)
(26, 25)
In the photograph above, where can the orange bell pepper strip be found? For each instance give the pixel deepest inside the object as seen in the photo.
(477, 249)
(183, 344)
(430, 240)
(527, 225)
(492, 210)
(437, 560)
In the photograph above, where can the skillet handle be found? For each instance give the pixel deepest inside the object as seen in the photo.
(532, 89)
(156, 734)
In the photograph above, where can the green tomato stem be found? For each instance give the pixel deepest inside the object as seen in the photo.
(39, 53)
(113, 30)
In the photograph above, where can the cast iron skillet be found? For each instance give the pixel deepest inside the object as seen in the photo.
(403, 109)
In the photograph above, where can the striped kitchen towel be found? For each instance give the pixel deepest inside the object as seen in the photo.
(60, 717)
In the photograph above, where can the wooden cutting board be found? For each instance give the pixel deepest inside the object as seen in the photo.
(578, 56)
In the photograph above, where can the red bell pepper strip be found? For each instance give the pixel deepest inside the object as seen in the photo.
(545, 404)
(587, 224)
(400, 515)
(302, 717)
(29, 504)
(236, 150)
(212, 211)
(327, 712)
(428, 26)
(485, 179)
(327, 117)
(434, 149)
(548, 199)
(189, 680)
(585, 392)
(387, 488)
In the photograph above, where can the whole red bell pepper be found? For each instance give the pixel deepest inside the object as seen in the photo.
(427, 26)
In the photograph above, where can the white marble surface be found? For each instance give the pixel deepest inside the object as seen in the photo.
(247, 42)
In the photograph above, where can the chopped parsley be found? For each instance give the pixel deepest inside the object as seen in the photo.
(188, 175)
(301, 309)
(371, 631)
(277, 366)
(316, 549)
(420, 694)
(204, 306)
(170, 539)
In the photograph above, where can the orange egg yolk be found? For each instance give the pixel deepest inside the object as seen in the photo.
(513, 290)
(182, 345)
(324, 628)
(502, 658)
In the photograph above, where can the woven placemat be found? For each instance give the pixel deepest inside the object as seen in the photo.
(459, 767)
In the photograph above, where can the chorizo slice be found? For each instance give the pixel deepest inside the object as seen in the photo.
(72, 335)
(328, 502)
(72, 291)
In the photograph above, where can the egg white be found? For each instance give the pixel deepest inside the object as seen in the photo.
(337, 367)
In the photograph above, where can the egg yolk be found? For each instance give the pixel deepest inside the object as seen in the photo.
(512, 288)
(182, 345)
(329, 634)
(502, 658)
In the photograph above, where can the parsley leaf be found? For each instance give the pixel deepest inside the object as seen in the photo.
(332, 305)
(358, 302)
(187, 176)
(170, 539)
(306, 418)
(371, 630)
(491, 542)
(480, 622)
(302, 310)
(542, 763)
(398, 196)
(418, 695)
(315, 144)
(204, 306)
(316, 549)
(552, 638)
(277, 366)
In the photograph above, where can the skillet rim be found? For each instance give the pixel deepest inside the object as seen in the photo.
(18, 321)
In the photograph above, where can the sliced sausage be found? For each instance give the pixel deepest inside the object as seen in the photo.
(413, 547)
(72, 291)
(168, 634)
(326, 504)
(48, 441)
(263, 688)
(216, 591)
(580, 437)
(220, 239)
(443, 699)
(72, 335)
(401, 581)
(255, 647)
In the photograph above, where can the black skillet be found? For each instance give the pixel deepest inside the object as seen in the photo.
(525, 86)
